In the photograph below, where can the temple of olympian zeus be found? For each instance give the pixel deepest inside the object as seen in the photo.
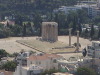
(50, 33)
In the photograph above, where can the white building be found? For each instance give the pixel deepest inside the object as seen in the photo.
(31, 70)
(91, 6)
(94, 49)
(37, 64)
(71, 64)
(98, 3)
(47, 61)
(66, 9)
(91, 9)
(94, 52)
(22, 57)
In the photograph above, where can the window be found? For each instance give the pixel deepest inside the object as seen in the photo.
(25, 55)
(88, 47)
(99, 44)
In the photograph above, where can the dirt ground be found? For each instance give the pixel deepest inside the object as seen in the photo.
(68, 55)
(82, 41)
(47, 47)
(11, 46)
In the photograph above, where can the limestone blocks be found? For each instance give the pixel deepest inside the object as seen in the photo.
(50, 31)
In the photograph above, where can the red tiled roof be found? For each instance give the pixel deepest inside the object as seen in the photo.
(52, 55)
(43, 57)
(37, 58)
(62, 73)
(6, 72)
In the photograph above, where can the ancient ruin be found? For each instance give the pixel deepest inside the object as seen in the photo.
(50, 31)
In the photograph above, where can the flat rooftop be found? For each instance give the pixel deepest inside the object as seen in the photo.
(96, 41)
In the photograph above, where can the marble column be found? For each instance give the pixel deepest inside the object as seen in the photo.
(70, 37)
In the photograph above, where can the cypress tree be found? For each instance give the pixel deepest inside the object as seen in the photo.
(92, 32)
(7, 24)
(99, 34)
(24, 30)
(79, 26)
(74, 25)
(86, 33)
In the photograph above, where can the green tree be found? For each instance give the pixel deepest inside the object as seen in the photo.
(7, 24)
(4, 32)
(17, 30)
(49, 71)
(86, 33)
(82, 19)
(96, 20)
(61, 19)
(56, 17)
(79, 26)
(72, 18)
(10, 66)
(15, 54)
(99, 34)
(74, 27)
(29, 24)
(3, 53)
(92, 32)
(85, 71)
(71, 2)
(24, 30)
(37, 20)
(19, 20)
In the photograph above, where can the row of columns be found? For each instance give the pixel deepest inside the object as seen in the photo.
(77, 47)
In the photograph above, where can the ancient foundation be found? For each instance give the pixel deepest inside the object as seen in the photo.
(50, 31)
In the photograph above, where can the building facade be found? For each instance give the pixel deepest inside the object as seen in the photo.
(66, 9)
(47, 61)
(22, 58)
(36, 64)
(98, 3)
(28, 70)
(94, 49)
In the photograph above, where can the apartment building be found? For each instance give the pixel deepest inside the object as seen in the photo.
(36, 64)
(94, 49)
(47, 61)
